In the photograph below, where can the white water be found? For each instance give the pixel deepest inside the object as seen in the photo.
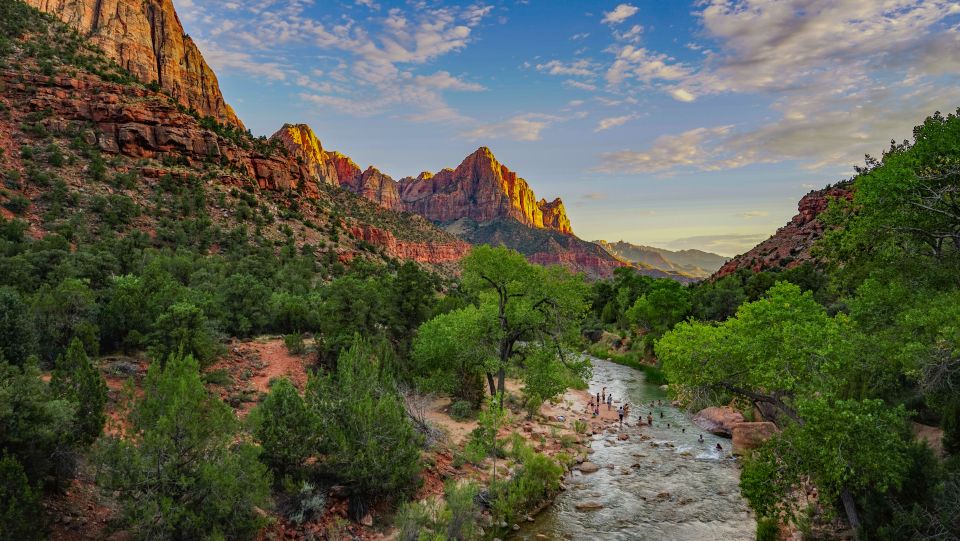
(682, 489)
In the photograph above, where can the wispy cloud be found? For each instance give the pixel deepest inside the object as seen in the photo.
(750, 214)
(613, 122)
(726, 245)
(525, 127)
(619, 14)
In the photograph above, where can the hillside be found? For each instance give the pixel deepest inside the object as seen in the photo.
(66, 105)
(693, 263)
(790, 246)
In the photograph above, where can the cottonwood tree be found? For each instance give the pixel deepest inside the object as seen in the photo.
(520, 306)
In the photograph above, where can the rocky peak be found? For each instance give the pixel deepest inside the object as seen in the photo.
(147, 39)
(304, 146)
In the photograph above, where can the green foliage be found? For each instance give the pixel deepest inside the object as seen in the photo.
(451, 353)
(17, 204)
(843, 445)
(65, 312)
(17, 338)
(454, 518)
(183, 329)
(36, 427)
(182, 474)
(369, 441)
(288, 431)
(77, 380)
(294, 343)
(662, 306)
(19, 503)
(537, 477)
(462, 410)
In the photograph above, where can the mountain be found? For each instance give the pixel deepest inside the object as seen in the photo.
(694, 263)
(790, 245)
(81, 137)
(145, 38)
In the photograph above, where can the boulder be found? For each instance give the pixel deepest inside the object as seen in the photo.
(718, 420)
(588, 467)
(748, 436)
(588, 506)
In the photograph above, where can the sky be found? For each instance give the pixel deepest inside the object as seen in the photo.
(678, 124)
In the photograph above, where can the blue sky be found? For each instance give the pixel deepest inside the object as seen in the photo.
(670, 123)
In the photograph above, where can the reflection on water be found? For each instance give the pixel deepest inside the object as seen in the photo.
(669, 487)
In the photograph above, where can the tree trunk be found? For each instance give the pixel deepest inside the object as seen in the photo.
(501, 376)
(850, 507)
(493, 386)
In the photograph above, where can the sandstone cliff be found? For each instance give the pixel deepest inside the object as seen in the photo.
(790, 245)
(146, 38)
(482, 189)
(306, 149)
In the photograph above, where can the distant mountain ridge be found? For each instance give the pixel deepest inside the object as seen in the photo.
(696, 264)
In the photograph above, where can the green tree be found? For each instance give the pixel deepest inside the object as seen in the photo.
(17, 339)
(63, 313)
(369, 441)
(521, 303)
(77, 380)
(36, 427)
(19, 503)
(243, 301)
(662, 306)
(183, 328)
(286, 428)
(442, 361)
(180, 472)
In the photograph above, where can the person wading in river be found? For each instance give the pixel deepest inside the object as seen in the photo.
(620, 414)
(609, 402)
(650, 418)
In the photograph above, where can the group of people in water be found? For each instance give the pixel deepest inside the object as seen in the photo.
(603, 398)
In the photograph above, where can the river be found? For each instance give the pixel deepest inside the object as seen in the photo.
(669, 487)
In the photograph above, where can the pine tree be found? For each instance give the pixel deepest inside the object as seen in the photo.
(19, 503)
(77, 380)
(285, 427)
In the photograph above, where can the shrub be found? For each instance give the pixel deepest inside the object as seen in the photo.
(19, 503)
(17, 340)
(286, 429)
(538, 476)
(767, 529)
(461, 410)
(183, 328)
(77, 380)
(370, 442)
(580, 427)
(184, 475)
(294, 343)
(17, 204)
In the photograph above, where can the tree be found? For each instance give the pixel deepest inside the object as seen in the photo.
(77, 380)
(65, 312)
(348, 306)
(792, 360)
(36, 427)
(286, 428)
(662, 306)
(442, 361)
(520, 303)
(369, 441)
(19, 503)
(180, 471)
(412, 298)
(845, 447)
(244, 303)
(17, 339)
(183, 328)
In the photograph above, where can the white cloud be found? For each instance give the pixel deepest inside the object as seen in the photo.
(632, 35)
(525, 127)
(619, 14)
(222, 60)
(582, 68)
(750, 214)
(580, 85)
(582, 35)
(692, 149)
(442, 80)
(644, 66)
(727, 245)
(680, 94)
(613, 122)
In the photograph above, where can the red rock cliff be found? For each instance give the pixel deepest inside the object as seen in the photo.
(306, 149)
(482, 189)
(790, 245)
(146, 38)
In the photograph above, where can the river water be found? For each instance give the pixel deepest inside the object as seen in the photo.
(668, 487)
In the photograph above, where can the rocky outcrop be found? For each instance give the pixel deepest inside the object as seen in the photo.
(377, 187)
(748, 436)
(718, 420)
(146, 38)
(482, 189)
(306, 149)
(421, 252)
(790, 245)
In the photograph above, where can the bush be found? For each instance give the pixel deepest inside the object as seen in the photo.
(77, 380)
(462, 410)
(767, 529)
(538, 476)
(183, 328)
(370, 442)
(184, 475)
(294, 343)
(19, 503)
(17, 204)
(454, 518)
(17, 340)
(286, 429)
